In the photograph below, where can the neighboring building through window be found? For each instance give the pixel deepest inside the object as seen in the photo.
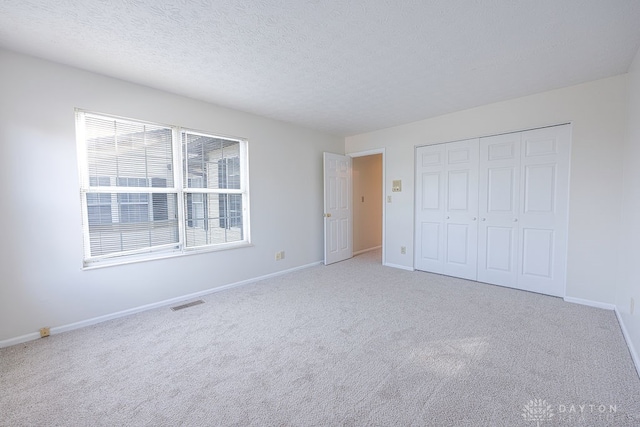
(229, 177)
(138, 202)
(133, 207)
(99, 204)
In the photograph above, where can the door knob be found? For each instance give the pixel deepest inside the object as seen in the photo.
(484, 219)
(474, 218)
(327, 215)
(515, 219)
(447, 217)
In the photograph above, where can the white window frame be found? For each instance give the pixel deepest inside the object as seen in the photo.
(179, 189)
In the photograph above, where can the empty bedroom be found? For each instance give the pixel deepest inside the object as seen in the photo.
(319, 213)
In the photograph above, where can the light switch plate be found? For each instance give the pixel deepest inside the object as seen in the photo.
(397, 185)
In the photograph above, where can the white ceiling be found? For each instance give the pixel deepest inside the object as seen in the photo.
(343, 67)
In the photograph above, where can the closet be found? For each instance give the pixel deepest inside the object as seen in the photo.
(494, 209)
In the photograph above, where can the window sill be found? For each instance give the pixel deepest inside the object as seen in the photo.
(112, 262)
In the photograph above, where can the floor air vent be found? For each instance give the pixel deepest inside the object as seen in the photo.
(187, 305)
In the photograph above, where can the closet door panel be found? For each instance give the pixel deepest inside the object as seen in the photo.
(543, 210)
(430, 208)
(447, 208)
(461, 225)
(498, 188)
(499, 249)
(458, 249)
(537, 252)
(430, 238)
(458, 191)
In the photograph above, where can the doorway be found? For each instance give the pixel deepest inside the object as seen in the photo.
(368, 202)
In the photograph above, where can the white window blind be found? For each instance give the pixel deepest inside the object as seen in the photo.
(151, 189)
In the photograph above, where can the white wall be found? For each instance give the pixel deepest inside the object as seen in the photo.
(41, 280)
(597, 111)
(630, 257)
(367, 213)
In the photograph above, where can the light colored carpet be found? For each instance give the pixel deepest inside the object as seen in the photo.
(351, 344)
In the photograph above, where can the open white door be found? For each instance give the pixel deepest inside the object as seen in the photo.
(338, 231)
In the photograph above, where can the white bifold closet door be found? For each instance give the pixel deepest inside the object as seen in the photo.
(499, 204)
(447, 209)
(521, 199)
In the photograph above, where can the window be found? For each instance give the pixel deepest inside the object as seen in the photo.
(213, 191)
(149, 190)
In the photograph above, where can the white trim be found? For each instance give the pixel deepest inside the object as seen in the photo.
(625, 333)
(366, 250)
(145, 256)
(496, 134)
(384, 190)
(367, 153)
(19, 340)
(590, 303)
(627, 337)
(566, 218)
(124, 313)
(401, 267)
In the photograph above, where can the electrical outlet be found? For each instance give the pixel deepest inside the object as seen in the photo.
(632, 306)
(403, 250)
(44, 332)
(279, 255)
(388, 199)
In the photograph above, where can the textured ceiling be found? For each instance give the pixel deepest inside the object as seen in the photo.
(343, 67)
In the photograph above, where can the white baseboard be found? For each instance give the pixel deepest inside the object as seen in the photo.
(401, 267)
(366, 250)
(625, 333)
(590, 303)
(19, 340)
(100, 319)
(627, 337)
